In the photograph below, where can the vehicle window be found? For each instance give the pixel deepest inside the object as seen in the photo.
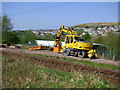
(81, 39)
(67, 40)
(71, 40)
(77, 38)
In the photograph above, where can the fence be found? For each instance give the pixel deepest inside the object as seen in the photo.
(108, 54)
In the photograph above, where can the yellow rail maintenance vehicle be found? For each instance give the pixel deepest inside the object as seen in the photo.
(74, 45)
(40, 47)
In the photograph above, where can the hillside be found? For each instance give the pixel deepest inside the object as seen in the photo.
(95, 24)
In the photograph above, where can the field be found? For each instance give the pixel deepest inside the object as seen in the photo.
(21, 72)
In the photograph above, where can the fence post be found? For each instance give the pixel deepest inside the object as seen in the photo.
(110, 56)
(103, 55)
(113, 57)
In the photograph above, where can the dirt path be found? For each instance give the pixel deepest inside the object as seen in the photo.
(51, 53)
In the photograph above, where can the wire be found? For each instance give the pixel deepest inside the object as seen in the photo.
(39, 9)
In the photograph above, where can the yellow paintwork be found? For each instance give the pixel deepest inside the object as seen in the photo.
(90, 55)
(65, 29)
(92, 52)
(78, 45)
(62, 49)
(39, 47)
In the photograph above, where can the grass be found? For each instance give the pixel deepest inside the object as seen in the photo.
(0, 68)
(24, 47)
(109, 66)
(21, 73)
(95, 24)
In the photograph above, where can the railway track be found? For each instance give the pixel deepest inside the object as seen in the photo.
(69, 66)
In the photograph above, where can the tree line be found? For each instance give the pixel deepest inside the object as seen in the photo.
(10, 37)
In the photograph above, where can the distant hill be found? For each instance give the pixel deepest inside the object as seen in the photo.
(95, 24)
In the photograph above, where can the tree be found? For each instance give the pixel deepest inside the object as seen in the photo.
(102, 26)
(10, 38)
(96, 27)
(27, 36)
(108, 27)
(0, 24)
(86, 26)
(86, 37)
(112, 25)
(79, 31)
(6, 24)
(118, 30)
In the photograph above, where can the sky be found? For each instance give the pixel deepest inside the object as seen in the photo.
(60, 0)
(51, 15)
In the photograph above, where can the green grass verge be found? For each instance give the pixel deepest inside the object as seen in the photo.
(108, 66)
(21, 73)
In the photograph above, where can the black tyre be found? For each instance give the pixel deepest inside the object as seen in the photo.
(66, 52)
(81, 54)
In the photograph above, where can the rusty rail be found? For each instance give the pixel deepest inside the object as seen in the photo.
(69, 66)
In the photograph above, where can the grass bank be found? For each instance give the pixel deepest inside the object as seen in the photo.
(20, 72)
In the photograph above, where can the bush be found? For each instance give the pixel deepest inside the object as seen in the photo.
(87, 37)
(10, 38)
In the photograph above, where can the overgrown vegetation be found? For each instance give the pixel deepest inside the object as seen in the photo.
(111, 41)
(108, 66)
(21, 73)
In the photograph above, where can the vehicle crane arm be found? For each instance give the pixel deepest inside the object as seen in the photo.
(63, 29)
(67, 30)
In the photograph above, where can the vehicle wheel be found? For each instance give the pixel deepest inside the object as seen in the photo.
(66, 52)
(86, 54)
(81, 54)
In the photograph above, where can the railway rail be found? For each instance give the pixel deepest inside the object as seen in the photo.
(69, 66)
